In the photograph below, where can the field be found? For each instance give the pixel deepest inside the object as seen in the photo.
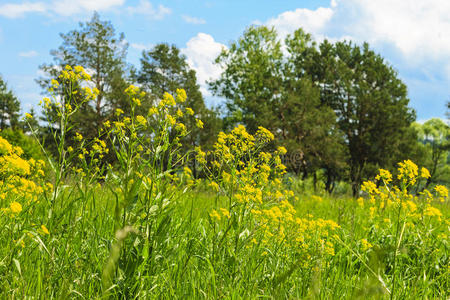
(145, 227)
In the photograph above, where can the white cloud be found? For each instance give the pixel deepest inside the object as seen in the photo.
(146, 8)
(193, 20)
(13, 10)
(71, 7)
(201, 51)
(28, 54)
(312, 21)
(59, 7)
(141, 47)
(418, 29)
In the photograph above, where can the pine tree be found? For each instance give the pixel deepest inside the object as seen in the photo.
(9, 107)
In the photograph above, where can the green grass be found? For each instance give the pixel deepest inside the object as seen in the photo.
(69, 262)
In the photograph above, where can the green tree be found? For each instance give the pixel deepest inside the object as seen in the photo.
(9, 107)
(265, 87)
(370, 103)
(251, 80)
(164, 69)
(97, 48)
(434, 134)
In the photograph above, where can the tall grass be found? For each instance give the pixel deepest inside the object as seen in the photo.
(145, 228)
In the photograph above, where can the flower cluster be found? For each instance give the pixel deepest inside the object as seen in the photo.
(21, 180)
(252, 181)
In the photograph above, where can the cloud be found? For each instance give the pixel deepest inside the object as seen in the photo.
(28, 54)
(418, 29)
(313, 21)
(201, 51)
(58, 7)
(193, 20)
(13, 10)
(141, 47)
(71, 7)
(146, 8)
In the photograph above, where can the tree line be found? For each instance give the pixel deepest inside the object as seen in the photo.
(340, 107)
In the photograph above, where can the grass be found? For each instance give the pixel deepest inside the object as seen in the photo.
(145, 228)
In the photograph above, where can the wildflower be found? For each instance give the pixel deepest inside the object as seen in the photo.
(54, 83)
(360, 201)
(424, 173)
(365, 245)
(168, 100)
(15, 207)
(171, 120)
(384, 175)
(199, 123)
(119, 112)
(152, 111)
(189, 111)
(282, 150)
(44, 229)
(78, 136)
(136, 101)
(407, 171)
(441, 190)
(225, 212)
(432, 212)
(214, 185)
(215, 214)
(181, 95)
(141, 120)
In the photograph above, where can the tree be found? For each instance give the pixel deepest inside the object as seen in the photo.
(9, 107)
(265, 87)
(434, 134)
(251, 80)
(96, 47)
(370, 103)
(164, 69)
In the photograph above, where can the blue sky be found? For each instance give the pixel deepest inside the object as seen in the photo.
(413, 36)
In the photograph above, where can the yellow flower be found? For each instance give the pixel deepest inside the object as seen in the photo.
(407, 171)
(44, 229)
(441, 190)
(424, 173)
(215, 214)
(432, 212)
(152, 111)
(141, 120)
(55, 83)
(119, 112)
(168, 100)
(189, 111)
(15, 207)
(181, 95)
(384, 175)
(365, 245)
(225, 212)
(78, 136)
(199, 123)
(360, 201)
(214, 185)
(282, 150)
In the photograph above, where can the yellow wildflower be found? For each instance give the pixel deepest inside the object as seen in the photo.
(44, 229)
(15, 207)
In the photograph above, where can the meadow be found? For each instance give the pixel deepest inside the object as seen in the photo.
(145, 227)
